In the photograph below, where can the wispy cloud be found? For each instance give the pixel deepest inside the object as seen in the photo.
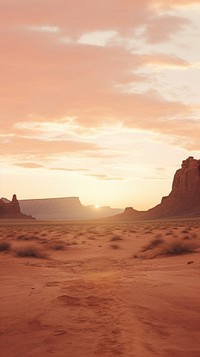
(67, 169)
(73, 72)
(105, 177)
(20, 146)
(29, 165)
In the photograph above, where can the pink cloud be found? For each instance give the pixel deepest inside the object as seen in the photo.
(67, 169)
(18, 146)
(82, 16)
(104, 177)
(161, 28)
(176, 3)
(29, 165)
(44, 78)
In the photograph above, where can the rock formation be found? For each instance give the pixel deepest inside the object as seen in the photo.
(183, 200)
(186, 183)
(63, 208)
(11, 209)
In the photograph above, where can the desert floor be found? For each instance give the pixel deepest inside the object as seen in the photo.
(102, 289)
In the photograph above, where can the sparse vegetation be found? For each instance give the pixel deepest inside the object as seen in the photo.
(27, 237)
(176, 247)
(184, 231)
(114, 246)
(59, 245)
(152, 244)
(30, 251)
(158, 247)
(4, 246)
(115, 238)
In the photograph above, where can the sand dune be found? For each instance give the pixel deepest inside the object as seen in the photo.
(100, 289)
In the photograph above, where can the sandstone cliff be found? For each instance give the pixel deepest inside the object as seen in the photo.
(11, 209)
(183, 200)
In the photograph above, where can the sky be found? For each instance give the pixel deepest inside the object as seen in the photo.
(98, 99)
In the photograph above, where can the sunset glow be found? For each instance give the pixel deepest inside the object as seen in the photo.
(98, 100)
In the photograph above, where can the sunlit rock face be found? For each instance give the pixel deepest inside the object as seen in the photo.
(183, 200)
(11, 209)
(186, 183)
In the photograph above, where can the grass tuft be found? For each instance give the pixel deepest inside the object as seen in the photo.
(59, 245)
(4, 246)
(115, 238)
(152, 244)
(30, 251)
(177, 247)
(115, 246)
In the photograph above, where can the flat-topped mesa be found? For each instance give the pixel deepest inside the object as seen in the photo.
(186, 183)
(129, 210)
(11, 209)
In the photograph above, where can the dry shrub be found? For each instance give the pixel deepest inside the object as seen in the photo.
(152, 244)
(4, 246)
(114, 246)
(31, 251)
(27, 237)
(169, 233)
(115, 238)
(59, 245)
(176, 247)
(185, 230)
(158, 247)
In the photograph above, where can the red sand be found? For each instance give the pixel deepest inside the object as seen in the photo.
(91, 298)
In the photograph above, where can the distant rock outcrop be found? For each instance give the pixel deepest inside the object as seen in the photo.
(183, 200)
(11, 209)
(63, 208)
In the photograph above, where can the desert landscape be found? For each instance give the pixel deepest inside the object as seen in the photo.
(99, 178)
(100, 288)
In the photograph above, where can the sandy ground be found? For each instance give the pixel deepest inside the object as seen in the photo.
(103, 290)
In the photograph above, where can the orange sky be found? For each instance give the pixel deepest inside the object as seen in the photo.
(98, 99)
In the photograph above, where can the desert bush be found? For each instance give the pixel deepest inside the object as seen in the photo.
(4, 246)
(185, 230)
(114, 246)
(158, 247)
(31, 251)
(186, 237)
(152, 244)
(176, 247)
(169, 233)
(59, 245)
(27, 237)
(115, 238)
